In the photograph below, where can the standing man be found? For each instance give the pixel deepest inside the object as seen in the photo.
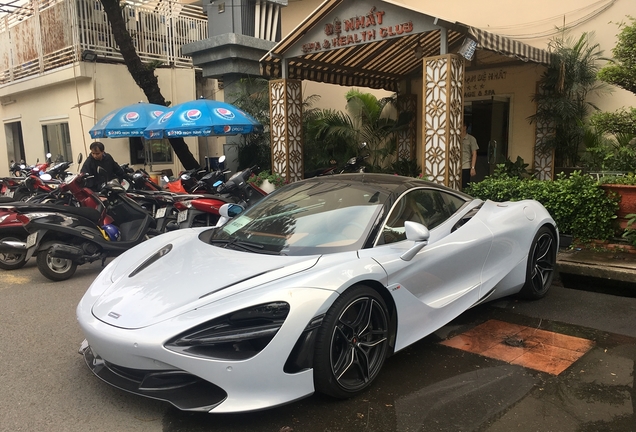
(469, 156)
(99, 158)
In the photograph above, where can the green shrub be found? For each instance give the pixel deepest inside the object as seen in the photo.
(577, 203)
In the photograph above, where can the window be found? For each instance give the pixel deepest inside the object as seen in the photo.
(144, 151)
(428, 207)
(57, 141)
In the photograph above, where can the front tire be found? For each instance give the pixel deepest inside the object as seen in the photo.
(541, 265)
(56, 269)
(12, 260)
(352, 343)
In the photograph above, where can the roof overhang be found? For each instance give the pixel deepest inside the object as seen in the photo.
(376, 44)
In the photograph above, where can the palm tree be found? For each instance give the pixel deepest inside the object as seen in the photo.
(562, 96)
(364, 122)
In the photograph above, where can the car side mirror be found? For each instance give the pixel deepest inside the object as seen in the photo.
(417, 233)
(230, 210)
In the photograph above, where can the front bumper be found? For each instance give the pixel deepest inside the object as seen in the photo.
(183, 390)
(136, 360)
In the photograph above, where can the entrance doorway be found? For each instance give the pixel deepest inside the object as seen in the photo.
(488, 121)
(15, 143)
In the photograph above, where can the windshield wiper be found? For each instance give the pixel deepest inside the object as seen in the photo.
(244, 245)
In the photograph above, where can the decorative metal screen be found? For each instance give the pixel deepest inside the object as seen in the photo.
(406, 139)
(285, 101)
(442, 118)
(543, 159)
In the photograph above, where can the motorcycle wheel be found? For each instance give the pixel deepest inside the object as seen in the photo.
(21, 194)
(56, 269)
(12, 261)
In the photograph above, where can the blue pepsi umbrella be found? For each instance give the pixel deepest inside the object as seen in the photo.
(128, 121)
(202, 117)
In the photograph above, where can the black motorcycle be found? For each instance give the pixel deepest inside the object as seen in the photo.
(68, 237)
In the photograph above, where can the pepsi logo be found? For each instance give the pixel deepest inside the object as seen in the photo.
(131, 117)
(193, 114)
(225, 114)
(156, 114)
(227, 128)
(166, 116)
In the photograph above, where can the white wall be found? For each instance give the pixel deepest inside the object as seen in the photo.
(80, 96)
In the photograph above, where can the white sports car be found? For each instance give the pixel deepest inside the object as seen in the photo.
(309, 290)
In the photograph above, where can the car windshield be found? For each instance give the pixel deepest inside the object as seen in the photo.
(306, 218)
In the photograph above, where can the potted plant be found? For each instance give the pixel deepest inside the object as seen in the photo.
(625, 187)
(630, 231)
(267, 180)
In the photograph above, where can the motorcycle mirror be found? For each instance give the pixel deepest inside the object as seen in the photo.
(46, 177)
(222, 159)
(80, 158)
(48, 155)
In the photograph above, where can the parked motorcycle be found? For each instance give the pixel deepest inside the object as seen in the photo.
(68, 237)
(139, 179)
(204, 210)
(67, 196)
(44, 183)
(186, 181)
(17, 169)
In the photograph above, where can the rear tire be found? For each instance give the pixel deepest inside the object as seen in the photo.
(56, 269)
(541, 265)
(10, 260)
(21, 194)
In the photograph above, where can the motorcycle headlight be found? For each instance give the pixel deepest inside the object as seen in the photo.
(236, 336)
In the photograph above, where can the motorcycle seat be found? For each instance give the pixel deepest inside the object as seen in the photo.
(85, 212)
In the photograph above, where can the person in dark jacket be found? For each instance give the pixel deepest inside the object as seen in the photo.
(99, 158)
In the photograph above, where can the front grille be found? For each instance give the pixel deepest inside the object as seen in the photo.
(185, 391)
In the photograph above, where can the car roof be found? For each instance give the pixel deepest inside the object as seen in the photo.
(391, 184)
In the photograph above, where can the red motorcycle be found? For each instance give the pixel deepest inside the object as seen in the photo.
(65, 198)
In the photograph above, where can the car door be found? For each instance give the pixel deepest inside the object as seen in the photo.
(444, 278)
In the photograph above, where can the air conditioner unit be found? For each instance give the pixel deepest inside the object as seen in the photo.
(153, 23)
(131, 20)
(99, 17)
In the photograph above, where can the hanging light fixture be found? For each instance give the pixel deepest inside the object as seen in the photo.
(467, 50)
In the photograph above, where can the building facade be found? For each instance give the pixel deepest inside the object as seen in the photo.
(52, 89)
(60, 72)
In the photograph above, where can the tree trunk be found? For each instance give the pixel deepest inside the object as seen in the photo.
(143, 75)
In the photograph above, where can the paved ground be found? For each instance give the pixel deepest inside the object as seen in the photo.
(426, 387)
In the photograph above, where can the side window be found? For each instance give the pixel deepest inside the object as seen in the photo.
(426, 206)
(57, 141)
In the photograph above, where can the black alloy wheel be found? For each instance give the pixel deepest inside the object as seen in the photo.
(541, 265)
(352, 343)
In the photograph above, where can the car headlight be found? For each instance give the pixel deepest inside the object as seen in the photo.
(236, 336)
